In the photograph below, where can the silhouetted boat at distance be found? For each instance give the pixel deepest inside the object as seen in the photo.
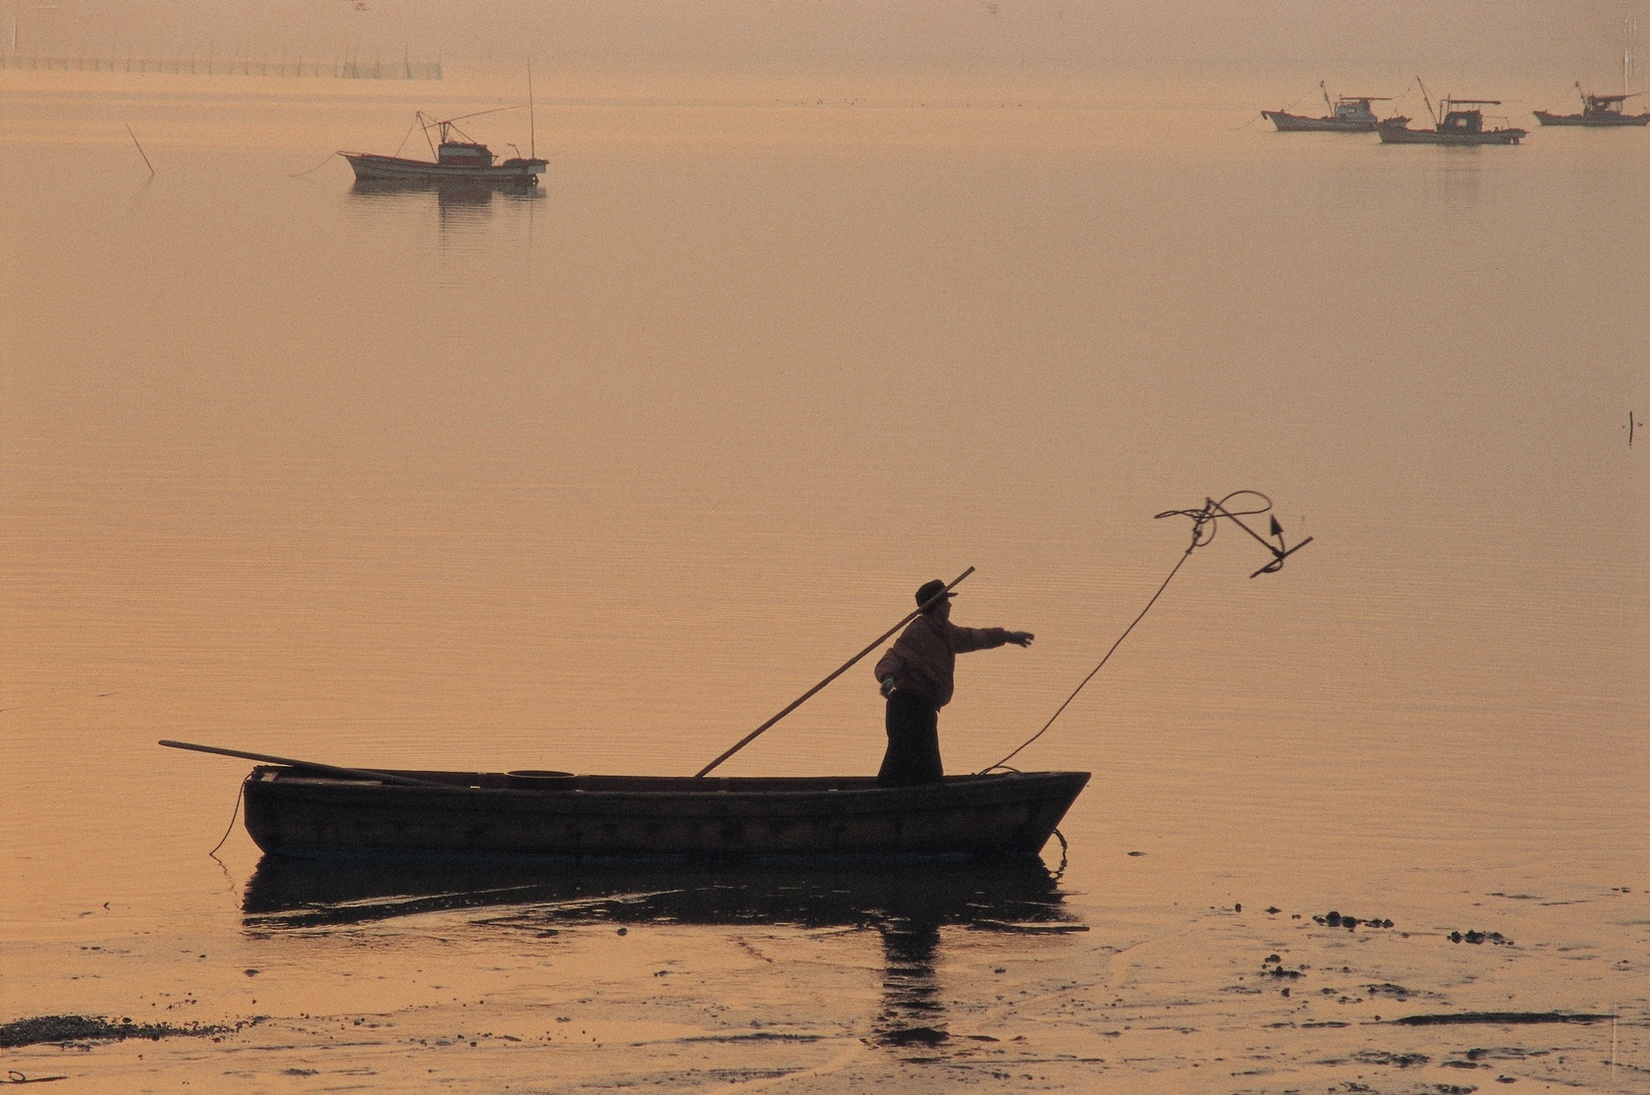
(459, 161)
(1347, 114)
(1456, 122)
(320, 810)
(1597, 111)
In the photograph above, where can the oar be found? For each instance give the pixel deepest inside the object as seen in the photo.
(333, 769)
(798, 702)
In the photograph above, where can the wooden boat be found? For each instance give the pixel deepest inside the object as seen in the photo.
(1599, 111)
(459, 161)
(1347, 114)
(318, 810)
(1455, 122)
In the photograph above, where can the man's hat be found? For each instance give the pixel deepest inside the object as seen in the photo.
(931, 590)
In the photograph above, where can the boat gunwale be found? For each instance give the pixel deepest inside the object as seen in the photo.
(675, 788)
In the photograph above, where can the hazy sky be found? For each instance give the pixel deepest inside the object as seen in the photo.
(1584, 37)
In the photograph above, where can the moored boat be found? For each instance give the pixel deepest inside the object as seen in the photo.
(1347, 114)
(459, 161)
(320, 810)
(1455, 122)
(1597, 111)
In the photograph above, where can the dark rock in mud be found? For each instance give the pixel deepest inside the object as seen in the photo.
(1502, 1017)
(1503, 1053)
(1397, 992)
(1336, 919)
(87, 1028)
(918, 1036)
(1397, 1060)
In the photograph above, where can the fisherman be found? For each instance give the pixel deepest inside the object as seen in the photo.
(916, 680)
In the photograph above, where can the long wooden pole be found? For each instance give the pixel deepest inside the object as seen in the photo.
(800, 700)
(357, 773)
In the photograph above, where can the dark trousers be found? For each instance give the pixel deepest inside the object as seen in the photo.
(913, 742)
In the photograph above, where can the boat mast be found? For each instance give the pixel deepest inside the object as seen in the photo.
(532, 133)
(428, 125)
(1326, 102)
(1424, 98)
(1630, 27)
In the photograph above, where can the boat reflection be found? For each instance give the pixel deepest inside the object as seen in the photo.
(445, 197)
(295, 892)
(909, 904)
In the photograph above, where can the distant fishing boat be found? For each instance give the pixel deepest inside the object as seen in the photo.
(1455, 122)
(459, 161)
(1598, 111)
(1347, 114)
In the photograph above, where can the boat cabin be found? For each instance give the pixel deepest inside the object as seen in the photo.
(464, 154)
(1602, 106)
(1463, 115)
(1355, 108)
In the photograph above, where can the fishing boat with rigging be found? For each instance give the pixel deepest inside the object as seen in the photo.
(459, 160)
(1455, 122)
(1347, 114)
(1597, 112)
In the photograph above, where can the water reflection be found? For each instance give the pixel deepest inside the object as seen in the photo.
(907, 903)
(912, 1014)
(1460, 180)
(456, 202)
(292, 892)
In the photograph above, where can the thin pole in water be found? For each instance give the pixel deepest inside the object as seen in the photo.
(800, 700)
(142, 153)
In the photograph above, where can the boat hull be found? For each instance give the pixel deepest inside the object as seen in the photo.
(1295, 123)
(372, 168)
(1405, 135)
(1593, 121)
(297, 812)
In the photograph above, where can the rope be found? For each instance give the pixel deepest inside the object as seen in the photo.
(1554, 107)
(1187, 554)
(1203, 532)
(1298, 102)
(232, 816)
(1065, 849)
(417, 118)
(317, 167)
(1262, 114)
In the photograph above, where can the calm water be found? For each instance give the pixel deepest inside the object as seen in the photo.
(602, 477)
